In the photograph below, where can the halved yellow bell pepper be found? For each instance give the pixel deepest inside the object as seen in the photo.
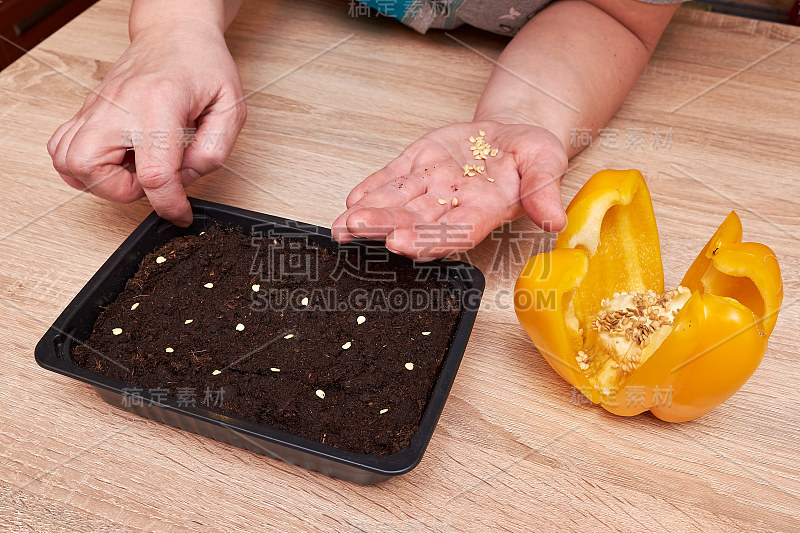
(596, 309)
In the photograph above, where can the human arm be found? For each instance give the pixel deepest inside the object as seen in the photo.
(569, 68)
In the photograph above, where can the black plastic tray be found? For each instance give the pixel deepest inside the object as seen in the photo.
(77, 320)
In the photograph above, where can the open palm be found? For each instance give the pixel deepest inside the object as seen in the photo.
(425, 207)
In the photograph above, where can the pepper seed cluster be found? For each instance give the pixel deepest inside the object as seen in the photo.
(636, 323)
(481, 150)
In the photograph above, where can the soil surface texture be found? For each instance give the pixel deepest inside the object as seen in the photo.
(339, 347)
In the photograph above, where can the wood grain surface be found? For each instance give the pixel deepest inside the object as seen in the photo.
(713, 124)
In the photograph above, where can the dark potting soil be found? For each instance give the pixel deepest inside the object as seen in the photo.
(306, 367)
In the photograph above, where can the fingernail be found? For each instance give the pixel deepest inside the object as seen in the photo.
(344, 237)
(393, 251)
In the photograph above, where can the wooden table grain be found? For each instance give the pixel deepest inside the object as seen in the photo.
(712, 123)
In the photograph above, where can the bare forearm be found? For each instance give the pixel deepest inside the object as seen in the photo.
(149, 13)
(572, 66)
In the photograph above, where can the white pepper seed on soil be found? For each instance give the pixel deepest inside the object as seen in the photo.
(169, 350)
(256, 287)
(321, 394)
(361, 319)
(275, 369)
(216, 372)
(239, 327)
(289, 336)
(160, 259)
(209, 285)
(347, 345)
(117, 331)
(134, 306)
(426, 333)
(384, 411)
(304, 301)
(409, 366)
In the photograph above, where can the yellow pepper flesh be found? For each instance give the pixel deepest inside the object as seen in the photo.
(610, 245)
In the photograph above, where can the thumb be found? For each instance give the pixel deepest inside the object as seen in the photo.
(158, 158)
(540, 193)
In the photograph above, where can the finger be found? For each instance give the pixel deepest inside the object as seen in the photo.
(339, 230)
(59, 154)
(541, 198)
(72, 182)
(383, 210)
(377, 223)
(52, 144)
(477, 207)
(372, 222)
(95, 157)
(540, 189)
(213, 141)
(399, 166)
(158, 160)
(396, 193)
(461, 228)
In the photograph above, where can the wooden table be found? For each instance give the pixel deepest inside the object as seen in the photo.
(713, 124)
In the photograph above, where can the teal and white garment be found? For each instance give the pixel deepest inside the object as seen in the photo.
(505, 17)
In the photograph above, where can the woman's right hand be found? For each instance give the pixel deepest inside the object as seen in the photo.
(175, 97)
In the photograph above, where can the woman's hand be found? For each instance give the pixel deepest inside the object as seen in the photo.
(174, 97)
(425, 207)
